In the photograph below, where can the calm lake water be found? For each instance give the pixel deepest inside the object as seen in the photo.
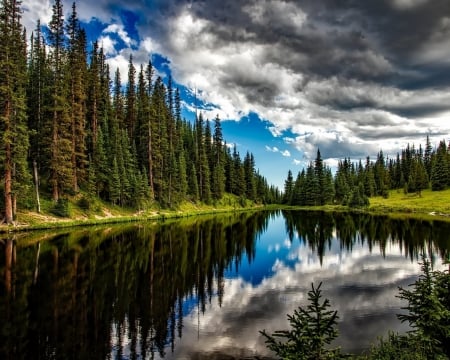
(203, 288)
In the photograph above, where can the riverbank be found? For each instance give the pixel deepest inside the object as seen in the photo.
(103, 213)
(429, 205)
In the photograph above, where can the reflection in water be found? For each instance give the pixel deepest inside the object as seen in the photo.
(183, 289)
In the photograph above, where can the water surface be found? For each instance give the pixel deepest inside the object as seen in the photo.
(203, 288)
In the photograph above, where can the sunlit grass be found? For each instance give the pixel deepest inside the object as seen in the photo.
(434, 203)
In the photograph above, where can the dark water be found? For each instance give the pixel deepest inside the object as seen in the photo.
(203, 288)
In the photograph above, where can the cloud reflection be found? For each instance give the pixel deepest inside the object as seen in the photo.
(361, 284)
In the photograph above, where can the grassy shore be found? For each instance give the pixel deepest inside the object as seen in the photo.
(427, 205)
(104, 213)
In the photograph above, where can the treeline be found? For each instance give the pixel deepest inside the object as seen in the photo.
(413, 170)
(67, 123)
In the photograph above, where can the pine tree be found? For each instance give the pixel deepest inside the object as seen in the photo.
(440, 168)
(312, 330)
(320, 177)
(60, 165)
(13, 120)
(288, 188)
(130, 115)
(77, 73)
(428, 156)
(249, 174)
(218, 162)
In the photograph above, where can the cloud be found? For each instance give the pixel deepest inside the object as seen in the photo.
(120, 31)
(285, 153)
(348, 77)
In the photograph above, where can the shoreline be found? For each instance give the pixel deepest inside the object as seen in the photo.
(428, 206)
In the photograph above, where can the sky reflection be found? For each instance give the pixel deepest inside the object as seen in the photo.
(361, 284)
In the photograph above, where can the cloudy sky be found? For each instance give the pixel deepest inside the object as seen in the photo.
(349, 77)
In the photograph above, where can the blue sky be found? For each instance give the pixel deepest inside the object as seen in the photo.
(288, 77)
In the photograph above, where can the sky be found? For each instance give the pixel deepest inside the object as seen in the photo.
(347, 77)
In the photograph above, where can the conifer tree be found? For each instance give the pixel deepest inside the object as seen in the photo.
(13, 120)
(77, 73)
(218, 163)
(60, 165)
(428, 156)
(440, 168)
(288, 189)
(313, 328)
(249, 173)
(130, 115)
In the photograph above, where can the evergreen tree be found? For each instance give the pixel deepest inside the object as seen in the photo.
(341, 185)
(429, 309)
(77, 73)
(298, 191)
(130, 115)
(249, 174)
(312, 330)
(311, 187)
(428, 156)
(13, 120)
(218, 163)
(440, 169)
(288, 189)
(60, 164)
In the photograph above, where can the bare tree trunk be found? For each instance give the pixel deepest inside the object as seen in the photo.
(36, 186)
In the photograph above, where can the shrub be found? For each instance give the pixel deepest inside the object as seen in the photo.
(61, 208)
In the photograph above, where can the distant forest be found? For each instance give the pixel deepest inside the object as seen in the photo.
(413, 170)
(67, 126)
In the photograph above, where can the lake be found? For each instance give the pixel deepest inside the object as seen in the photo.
(202, 288)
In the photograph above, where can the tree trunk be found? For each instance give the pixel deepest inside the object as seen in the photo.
(36, 186)
(150, 162)
(8, 170)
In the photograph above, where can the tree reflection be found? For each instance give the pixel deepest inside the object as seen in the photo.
(117, 292)
(414, 237)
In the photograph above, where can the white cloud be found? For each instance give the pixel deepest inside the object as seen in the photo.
(272, 149)
(286, 153)
(119, 30)
(108, 45)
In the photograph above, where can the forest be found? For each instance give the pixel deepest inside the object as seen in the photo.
(413, 170)
(66, 127)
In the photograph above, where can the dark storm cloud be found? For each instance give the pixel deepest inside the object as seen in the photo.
(369, 40)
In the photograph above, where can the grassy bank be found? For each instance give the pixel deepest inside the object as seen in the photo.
(429, 204)
(98, 212)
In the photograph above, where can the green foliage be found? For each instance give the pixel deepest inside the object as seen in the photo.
(312, 329)
(429, 309)
(358, 198)
(84, 203)
(61, 208)
(400, 347)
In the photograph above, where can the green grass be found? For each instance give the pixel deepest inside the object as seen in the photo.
(99, 212)
(427, 204)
